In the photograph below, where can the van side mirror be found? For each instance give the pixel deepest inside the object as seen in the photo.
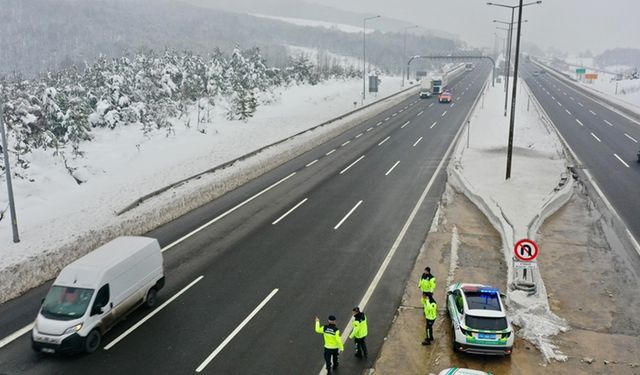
(97, 310)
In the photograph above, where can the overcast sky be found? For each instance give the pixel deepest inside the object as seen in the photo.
(570, 25)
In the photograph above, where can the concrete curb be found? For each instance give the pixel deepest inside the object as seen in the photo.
(17, 278)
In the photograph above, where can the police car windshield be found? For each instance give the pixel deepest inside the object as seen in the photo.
(484, 323)
(65, 303)
(482, 300)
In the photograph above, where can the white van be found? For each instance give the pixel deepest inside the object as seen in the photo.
(93, 293)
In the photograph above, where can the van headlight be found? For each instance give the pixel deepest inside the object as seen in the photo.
(73, 329)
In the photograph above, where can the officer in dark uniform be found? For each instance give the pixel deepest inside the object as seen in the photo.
(332, 341)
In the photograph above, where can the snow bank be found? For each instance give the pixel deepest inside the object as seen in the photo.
(516, 207)
(60, 220)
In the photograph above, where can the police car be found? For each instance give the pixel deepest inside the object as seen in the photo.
(462, 371)
(480, 324)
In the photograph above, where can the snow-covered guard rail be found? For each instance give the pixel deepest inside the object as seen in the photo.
(188, 194)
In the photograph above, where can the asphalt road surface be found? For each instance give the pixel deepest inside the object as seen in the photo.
(605, 141)
(305, 239)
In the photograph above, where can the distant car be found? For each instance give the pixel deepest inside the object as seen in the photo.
(445, 97)
(480, 323)
(425, 94)
(462, 371)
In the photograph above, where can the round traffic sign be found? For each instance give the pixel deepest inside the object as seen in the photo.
(526, 250)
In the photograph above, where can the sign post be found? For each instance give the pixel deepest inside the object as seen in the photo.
(525, 251)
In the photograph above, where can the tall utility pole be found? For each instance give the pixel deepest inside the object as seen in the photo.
(513, 97)
(364, 55)
(404, 51)
(7, 169)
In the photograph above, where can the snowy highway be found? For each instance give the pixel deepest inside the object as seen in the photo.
(604, 141)
(337, 227)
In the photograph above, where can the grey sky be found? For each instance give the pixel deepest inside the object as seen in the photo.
(570, 25)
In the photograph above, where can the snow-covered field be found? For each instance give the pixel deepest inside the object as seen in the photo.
(518, 205)
(314, 23)
(316, 56)
(122, 165)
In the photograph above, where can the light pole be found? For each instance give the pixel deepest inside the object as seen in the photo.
(508, 61)
(404, 51)
(364, 55)
(7, 168)
(512, 7)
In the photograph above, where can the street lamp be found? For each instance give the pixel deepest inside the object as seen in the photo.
(7, 168)
(404, 51)
(364, 55)
(515, 80)
(508, 62)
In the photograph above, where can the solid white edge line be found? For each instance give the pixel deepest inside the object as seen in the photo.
(579, 122)
(236, 331)
(150, 315)
(594, 136)
(630, 137)
(347, 215)
(391, 169)
(312, 163)
(405, 124)
(7, 340)
(352, 164)
(383, 141)
(621, 161)
(226, 213)
(383, 267)
(434, 124)
(330, 152)
(290, 211)
(418, 141)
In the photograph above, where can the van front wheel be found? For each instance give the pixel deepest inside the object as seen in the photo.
(151, 298)
(92, 342)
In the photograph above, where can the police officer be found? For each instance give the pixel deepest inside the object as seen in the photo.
(332, 342)
(427, 281)
(360, 331)
(430, 314)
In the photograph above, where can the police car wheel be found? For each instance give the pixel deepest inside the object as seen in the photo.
(92, 342)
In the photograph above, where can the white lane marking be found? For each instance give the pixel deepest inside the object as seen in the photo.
(387, 119)
(330, 152)
(405, 124)
(579, 122)
(443, 113)
(630, 137)
(560, 104)
(359, 135)
(383, 141)
(566, 110)
(580, 104)
(418, 141)
(383, 267)
(347, 215)
(150, 315)
(593, 113)
(452, 104)
(621, 161)
(352, 164)
(369, 129)
(564, 93)
(431, 105)
(7, 340)
(226, 213)
(394, 115)
(346, 143)
(236, 331)
(312, 163)
(608, 123)
(553, 97)
(290, 211)
(571, 97)
(400, 111)
(594, 136)
(391, 169)
(419, 113)
(379, 123)
(434, 124)
(406, 106)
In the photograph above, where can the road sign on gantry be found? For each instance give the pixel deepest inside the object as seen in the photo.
(526, 250)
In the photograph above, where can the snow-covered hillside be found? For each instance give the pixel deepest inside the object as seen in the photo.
(315, 23)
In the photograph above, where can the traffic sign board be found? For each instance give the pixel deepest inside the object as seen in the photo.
(529, 265)
(581, 70)
(526, 250)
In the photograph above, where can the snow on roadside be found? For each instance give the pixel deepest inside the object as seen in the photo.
(513, 205)
(122, 165)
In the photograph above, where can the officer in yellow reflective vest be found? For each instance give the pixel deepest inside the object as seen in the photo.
(427, 282)
(430, 314)
(360, 332)
(332, 341)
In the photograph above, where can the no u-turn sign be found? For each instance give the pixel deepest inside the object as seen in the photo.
(526, 250)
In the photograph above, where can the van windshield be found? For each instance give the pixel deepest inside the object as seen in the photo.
(66, 303)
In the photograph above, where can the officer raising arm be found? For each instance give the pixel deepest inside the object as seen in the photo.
(332, 342)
